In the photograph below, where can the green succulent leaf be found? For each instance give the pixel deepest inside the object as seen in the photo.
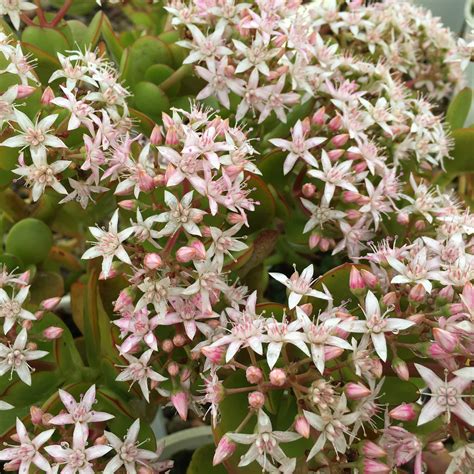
(458, 109)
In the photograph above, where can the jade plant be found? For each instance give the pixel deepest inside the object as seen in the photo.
(256, 213)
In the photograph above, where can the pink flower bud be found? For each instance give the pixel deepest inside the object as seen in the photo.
(417, 318)
(356, 282)
(350, 196)
(447, 340)
(360, 167)
(47, 96)
(302, 426)
(125, 299)
(199, 248)
(173, 369)
(233, 218)
(167, 346)
(308, 190)
(100, 441)
(353, 214)
(332, 352)
(319, 117)
(156, 137)
(335, 123)
(307, 308)
(24, 91)
(324, 244)
(278, 377)
(12, 466)
(356, 391)
(128, 204)
(24, 278)
(180, 401)
(353, 155)
(420, 225)
(417, 293)
(314, 240)
(253, 374)
(372, 450)
(215, 354)
(53, 332)
(152, 261)
(403, 218)
(256, 400)
(224, 450)
(401, 369)
(370, 279)
(179, 340)
(334, 155)
(445, 295)
(185, 254)
(390, 299)
(340, 140)
(36, 415)
(375, 467)
(27, 324)
(145, 182)
(306, 125)
(404, 412)
(50, 303)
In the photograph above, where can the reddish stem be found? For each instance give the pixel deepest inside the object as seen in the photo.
(27, 20)
(61, 13)
(40, 14)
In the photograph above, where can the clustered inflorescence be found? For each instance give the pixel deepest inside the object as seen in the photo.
(341, 102)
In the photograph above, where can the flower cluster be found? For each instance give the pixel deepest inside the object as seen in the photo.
(84, 443)
(359, 130)
(413, 43)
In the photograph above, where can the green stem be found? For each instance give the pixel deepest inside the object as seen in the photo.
(181, 72)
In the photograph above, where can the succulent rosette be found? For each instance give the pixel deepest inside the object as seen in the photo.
(255, 213)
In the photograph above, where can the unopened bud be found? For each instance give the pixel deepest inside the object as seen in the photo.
(24, 91)
(128, 204)
(180, 401)
(370, 279)
(53, 332)
(375, 467)
(356, 391)
(334, 155)
(372, 450)
(447, 340)
(152, 261)
(50, 303)
(278, 377)
(224, 450)
(417, 318)
(199, 248)
(254, 374)
(179, 340)
(403, 218)
(390, 299)
(340, 140)
(404, 412)
(400, 367)
(173, 369)
(319, 117)
(101, 441)
(307, 308)
(47, 96)
(335, 123)
(302, 426)
(420, 225)
(156, 137)
(215, 354)
(308, 190)
(417, 293)
(445, 295)
(356, 282)
(36, 415)
(256, 400)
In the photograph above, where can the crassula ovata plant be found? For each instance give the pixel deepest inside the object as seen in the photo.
(255, 213)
